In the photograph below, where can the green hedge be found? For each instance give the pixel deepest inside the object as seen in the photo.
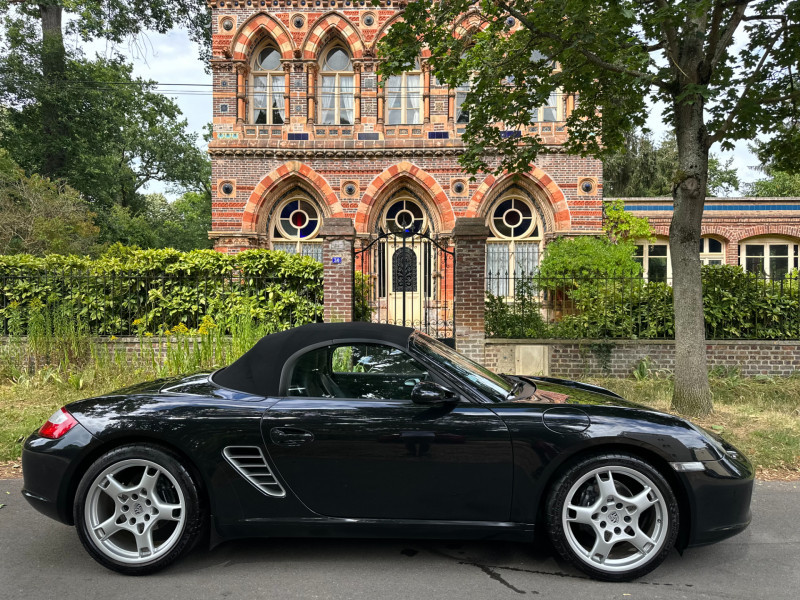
(151, 291)
(737, 305)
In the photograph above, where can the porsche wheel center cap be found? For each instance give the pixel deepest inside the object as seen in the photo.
(138, 509)
(613, 517)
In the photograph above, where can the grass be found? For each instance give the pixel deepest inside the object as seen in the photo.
(759, 415)
(58, 363)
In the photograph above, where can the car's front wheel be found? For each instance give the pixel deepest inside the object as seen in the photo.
(613, 516)
(137, 509)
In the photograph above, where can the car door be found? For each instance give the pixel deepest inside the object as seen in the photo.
(349, 441)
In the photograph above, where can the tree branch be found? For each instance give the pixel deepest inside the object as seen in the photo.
(590, 56)
(748, 85)
(725, 38)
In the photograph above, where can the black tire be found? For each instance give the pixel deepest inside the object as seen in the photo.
(619, 533)
(137, 509)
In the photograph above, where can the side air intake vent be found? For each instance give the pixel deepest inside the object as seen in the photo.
(252, 465)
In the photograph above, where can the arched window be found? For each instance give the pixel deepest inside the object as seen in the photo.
(295, 223)
(404, 216)
(770, 257)
(512, 253)
(336, 87)
(404, 97)
(712, 251)
(267, 85)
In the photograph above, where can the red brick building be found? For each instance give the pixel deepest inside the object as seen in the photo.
(303, 133)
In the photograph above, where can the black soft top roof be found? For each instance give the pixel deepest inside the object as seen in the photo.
(258, 371)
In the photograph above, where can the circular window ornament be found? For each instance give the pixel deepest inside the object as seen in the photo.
(368, 19)
(337, 60)
(298, 219)
(298, 21)
(587, 186)
(227, 24)
(459, 187)
(510, 21)
(227, 188)
(514, 218)
(269, 59)
(350, 189)
(404, 217)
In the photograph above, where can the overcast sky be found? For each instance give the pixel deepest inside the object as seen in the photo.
(172, 58)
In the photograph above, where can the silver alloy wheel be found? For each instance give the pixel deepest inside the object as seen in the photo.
(615, 519)
(135, 511)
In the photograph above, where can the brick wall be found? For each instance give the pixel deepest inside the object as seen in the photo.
(470, 241)
(581, 358)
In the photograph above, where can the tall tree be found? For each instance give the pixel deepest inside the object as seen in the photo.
(92, 19)
(644, 167)
(619, 57)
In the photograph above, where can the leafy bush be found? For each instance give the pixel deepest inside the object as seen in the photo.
(128, 290)
(737, 305)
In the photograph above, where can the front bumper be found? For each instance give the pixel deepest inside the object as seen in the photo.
(719, 498)
(49, 468)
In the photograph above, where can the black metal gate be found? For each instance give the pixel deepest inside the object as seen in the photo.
(406, 279)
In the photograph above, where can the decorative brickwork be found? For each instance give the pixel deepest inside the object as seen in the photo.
(338, 235)
(267, 160)
(470, 236)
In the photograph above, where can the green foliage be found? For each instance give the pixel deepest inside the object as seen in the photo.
(622, 226)
(38, 216)
(158, 290)
(645, 168)
(183, 224)
(521, 318)
(587, 256)
(118, 133)
(737, 305)
(363, 289)
(776, 184)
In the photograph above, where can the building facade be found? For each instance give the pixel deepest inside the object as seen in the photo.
(302, 132)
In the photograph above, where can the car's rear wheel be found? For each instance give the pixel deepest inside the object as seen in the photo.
(137, 509)
(613, 516)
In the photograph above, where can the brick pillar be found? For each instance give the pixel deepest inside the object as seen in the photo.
(338, 235)
(470, 236)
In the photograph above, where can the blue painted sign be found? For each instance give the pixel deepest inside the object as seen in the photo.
(336, 260)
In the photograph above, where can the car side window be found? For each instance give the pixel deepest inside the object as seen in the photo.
(368, 371)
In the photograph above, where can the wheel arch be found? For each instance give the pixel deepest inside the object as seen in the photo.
(124, 440)
(643, 452)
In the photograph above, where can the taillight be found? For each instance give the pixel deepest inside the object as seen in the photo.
(58, 424)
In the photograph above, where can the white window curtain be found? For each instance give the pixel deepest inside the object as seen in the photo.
(413, 97)
(394, 100)
(497, 274)
(328, 100)
(526, 259)
(278, 106)
(462, 115)
(346, 100)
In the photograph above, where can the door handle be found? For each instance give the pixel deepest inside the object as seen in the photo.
(289, 436)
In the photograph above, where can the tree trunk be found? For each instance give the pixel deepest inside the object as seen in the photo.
(692, 395)
(54, 70)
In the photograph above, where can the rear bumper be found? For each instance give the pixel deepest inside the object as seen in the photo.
(720, 500)
(49, 470)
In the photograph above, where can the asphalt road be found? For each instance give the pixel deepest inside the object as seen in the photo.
(40, 558)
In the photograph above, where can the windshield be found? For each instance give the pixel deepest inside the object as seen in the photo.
(491, 384)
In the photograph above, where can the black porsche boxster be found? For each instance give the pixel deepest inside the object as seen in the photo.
(366, 430)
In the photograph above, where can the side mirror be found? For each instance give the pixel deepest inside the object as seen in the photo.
(432, 394)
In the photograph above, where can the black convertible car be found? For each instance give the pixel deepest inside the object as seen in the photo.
(367, 430)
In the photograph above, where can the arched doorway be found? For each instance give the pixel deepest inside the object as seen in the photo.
(406, 271)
